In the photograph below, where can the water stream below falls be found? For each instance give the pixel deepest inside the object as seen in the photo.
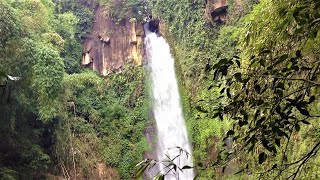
(171, 129)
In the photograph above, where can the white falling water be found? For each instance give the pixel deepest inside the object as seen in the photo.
(167, 110)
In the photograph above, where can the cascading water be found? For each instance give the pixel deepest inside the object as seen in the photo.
(171, 129)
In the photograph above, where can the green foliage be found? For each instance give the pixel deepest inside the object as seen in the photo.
(8, 174)
(270, 96)
(172, 165)
(71, 55)
(48, 73)
(114, 110)
(84, 15)
(66, 24)
(126, 9)
(74, 23)
(9, 25)
(285, 22)
(196, 45)
(129, 119)
(273, 33)
(25, 53)
(52, 119)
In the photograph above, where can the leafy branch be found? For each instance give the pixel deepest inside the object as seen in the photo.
(266, 103)
(168, 165)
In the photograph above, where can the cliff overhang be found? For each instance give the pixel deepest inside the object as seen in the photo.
(216, 10)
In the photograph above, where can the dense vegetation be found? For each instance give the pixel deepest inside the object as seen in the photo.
(249, 88)
(136, 10)
(255, 74)
(59, 118)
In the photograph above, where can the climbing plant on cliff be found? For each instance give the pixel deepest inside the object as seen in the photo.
(271, 91)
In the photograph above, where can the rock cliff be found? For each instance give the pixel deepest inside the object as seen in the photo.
(111, 45)
(216, 10)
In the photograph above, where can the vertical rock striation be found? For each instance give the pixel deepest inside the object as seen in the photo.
(111, 45)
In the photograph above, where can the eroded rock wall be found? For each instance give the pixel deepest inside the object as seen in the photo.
(111, 45)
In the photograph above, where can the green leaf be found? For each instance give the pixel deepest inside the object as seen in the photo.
(259, 122)
(265, 144)
(298, 54)
(141, 170)
(224, 71)
(282, 12)
(208, 68)
(297, 127)
(216, 115)
(187, 167)
(160, 177)
(279, 92)
(281, 59)
(220, 63)
(256, 114)
(262, 157)
(230, 133)
(228, 93)
(199, 108)
(222, 90)
(216, 75)
(260, 102)
(296, 68)
(280, 86)
(296, 13)
(304, 112)
(242, 123)
(262, 62)
(175, 167)
(311, 100)
(277, 141)
(238, 63)
(245, 114)
(257, 88)
(266, 51)
(240, 171)
(278, 109)
(3, 74)
(237, 76)
(280, 132)
(274, 166)
(305, 122)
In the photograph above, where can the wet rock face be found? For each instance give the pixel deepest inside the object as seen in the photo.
(151, 135)
(111, 45)
(154, 25)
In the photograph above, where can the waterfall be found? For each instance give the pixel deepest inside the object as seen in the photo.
(171, 129)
